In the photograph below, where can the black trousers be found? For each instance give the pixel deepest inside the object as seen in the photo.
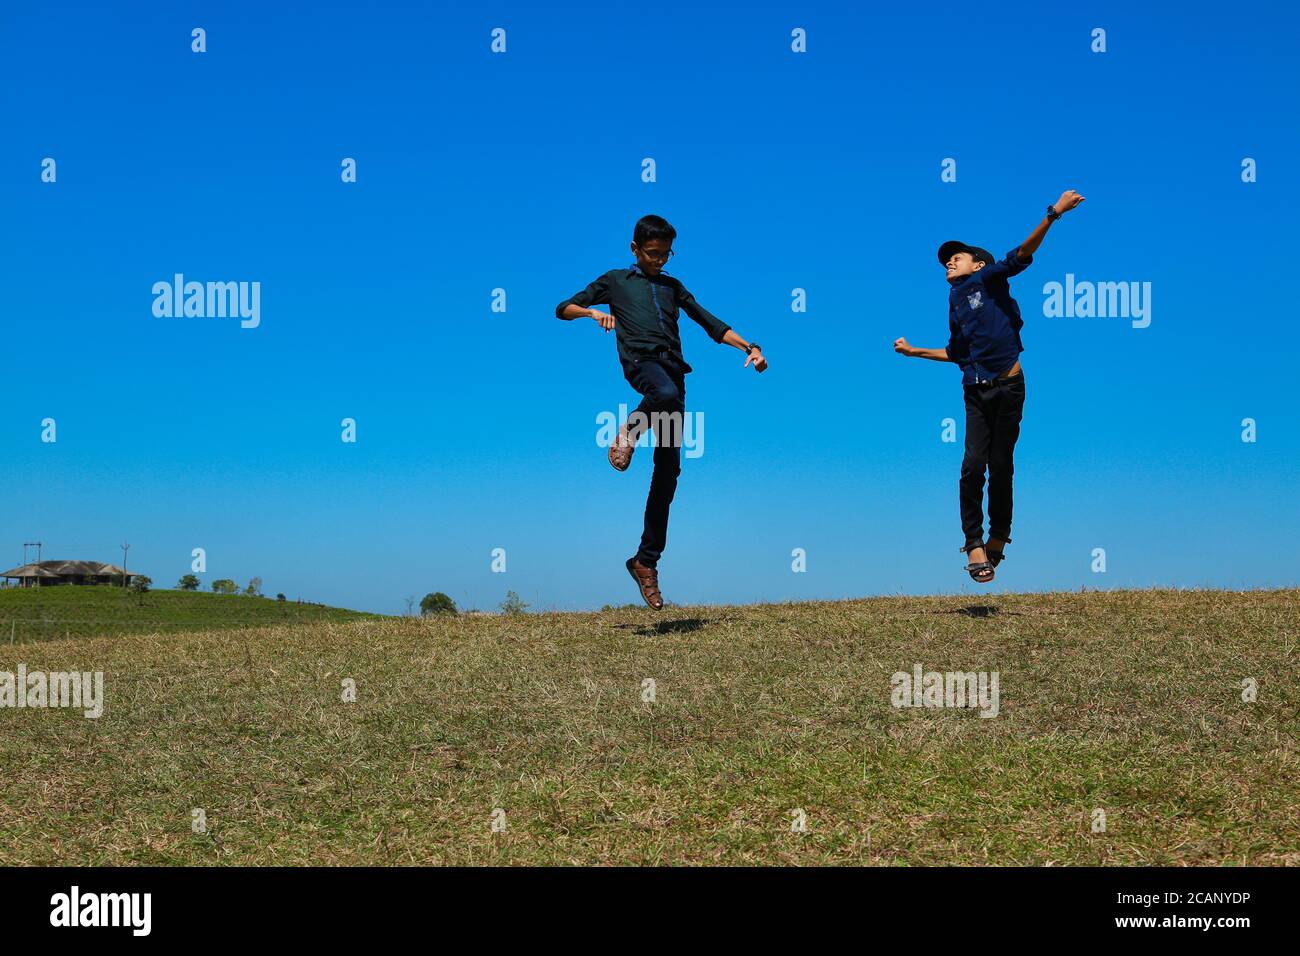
(993, 413)
(662, 384)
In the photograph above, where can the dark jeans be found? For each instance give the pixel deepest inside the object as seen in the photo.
(993, 413)
(662, 385)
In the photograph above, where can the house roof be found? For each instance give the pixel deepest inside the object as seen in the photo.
(61, 569)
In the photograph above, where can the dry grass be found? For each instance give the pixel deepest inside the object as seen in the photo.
(1126, 701)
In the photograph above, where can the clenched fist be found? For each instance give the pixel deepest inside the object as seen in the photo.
(1069, 199)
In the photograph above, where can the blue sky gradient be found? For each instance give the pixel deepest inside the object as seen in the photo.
(476, 430)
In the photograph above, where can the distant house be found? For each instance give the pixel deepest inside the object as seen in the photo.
(45, 573)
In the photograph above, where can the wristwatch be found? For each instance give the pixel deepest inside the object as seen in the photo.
(752, 346)
(1052, 214)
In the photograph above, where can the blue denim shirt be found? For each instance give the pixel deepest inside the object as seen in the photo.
(984, 320)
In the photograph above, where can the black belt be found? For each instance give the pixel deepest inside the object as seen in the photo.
(990, 382)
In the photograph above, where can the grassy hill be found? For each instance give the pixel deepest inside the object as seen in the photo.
(1128, 702)
(33, 614)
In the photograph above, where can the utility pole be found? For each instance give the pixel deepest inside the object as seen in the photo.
(125, 548)
(37, 546)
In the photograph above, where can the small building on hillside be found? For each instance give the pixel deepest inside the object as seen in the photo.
(45, 573)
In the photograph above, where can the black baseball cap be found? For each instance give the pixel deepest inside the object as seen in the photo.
(952, 245)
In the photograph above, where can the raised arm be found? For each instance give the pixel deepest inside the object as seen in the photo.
(1069, 199)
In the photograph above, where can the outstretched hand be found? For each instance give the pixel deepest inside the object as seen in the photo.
(756, 356)
(603, 319)
(902, 347)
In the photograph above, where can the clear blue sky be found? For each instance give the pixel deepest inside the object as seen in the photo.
(476, 430)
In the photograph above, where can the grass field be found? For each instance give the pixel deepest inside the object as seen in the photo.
(35, 614)
(1129, 702)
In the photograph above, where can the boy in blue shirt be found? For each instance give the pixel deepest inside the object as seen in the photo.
(984, 340)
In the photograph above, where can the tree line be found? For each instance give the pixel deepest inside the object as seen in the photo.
(190, 582)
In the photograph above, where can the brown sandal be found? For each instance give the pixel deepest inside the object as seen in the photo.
(647, 580)
(620, 450)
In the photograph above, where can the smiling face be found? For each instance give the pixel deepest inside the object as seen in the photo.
(652, 254)
(960, 265)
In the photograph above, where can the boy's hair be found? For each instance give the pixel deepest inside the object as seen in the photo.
(652, 227)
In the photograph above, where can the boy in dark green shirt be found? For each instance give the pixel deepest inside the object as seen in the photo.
(646, 304)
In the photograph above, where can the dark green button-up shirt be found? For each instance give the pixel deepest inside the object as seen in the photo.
(645, 310)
